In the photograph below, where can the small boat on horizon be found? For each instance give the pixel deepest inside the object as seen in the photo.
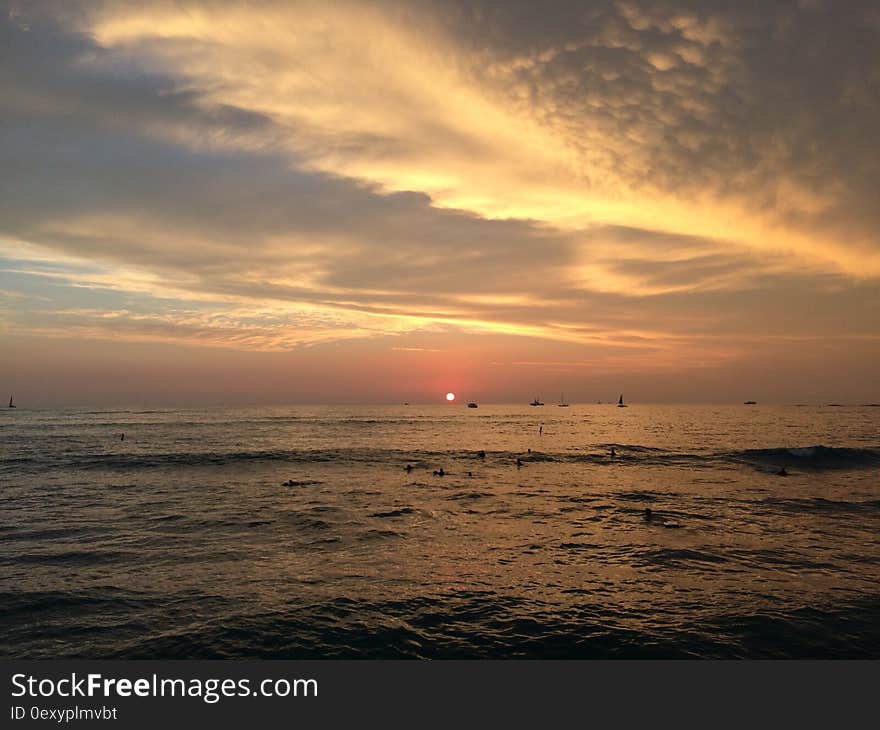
(562, 403)
(472, 405)
(536, 402)
(11, 405)
(620, 403)
(750, 403)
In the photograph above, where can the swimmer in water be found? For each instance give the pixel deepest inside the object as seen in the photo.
(439, 472)
(613, 452)
(530, 452)
(541, 430)
(649, 515)
(122, 437)
(408, 468)
(782, 472)
(518, 463)
(481, 454)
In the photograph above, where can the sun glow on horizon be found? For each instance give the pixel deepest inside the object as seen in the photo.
(450, 397)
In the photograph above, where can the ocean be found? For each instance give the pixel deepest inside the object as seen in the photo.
(297, 532)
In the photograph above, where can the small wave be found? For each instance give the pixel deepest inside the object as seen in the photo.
(35, 535)
(470, 495)
(68, 557)
(30, 603)
(394, 512)
(579, 546)
(669, 557)
(378, 535)
(637, 496)
(821, 505)
(636, 448)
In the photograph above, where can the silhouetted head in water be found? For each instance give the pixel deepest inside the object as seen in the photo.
(648, 513)
(408, 468)
(470, 474)
(481, 454)
(613, 451)
(782, 472)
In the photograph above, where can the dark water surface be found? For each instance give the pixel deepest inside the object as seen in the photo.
(181, 541)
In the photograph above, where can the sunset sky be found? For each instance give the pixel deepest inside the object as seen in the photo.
(284, 202)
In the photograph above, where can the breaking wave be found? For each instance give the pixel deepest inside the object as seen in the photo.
(811, 457)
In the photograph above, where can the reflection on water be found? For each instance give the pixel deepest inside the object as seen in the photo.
(181, 540)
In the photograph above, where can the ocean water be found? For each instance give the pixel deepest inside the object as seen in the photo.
(182, 541)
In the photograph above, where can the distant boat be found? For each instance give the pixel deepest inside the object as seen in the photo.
(562, 403)
(10, 402)
(750, 403)
(536, 402)
(620, 403)
(472, 405)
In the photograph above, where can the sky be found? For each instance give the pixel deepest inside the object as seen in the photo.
(308, 202)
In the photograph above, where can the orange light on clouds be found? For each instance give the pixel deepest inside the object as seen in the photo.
(439, 211)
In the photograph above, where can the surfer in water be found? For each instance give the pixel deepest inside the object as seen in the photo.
(613, 452)
(122, 437)
(408, 468)
(439, 472)
(518, 463)
(541, 430)
(481, 454)
(782, 472)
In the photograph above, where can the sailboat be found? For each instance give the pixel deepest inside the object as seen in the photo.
(562, 403)
(620, 403)
(10, 402)
(536, 402)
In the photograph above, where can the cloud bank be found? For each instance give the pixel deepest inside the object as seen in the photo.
(659, 185)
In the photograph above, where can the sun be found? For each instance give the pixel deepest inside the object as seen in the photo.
(450, 397)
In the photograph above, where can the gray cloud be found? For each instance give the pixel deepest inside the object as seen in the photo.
(774, 103)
